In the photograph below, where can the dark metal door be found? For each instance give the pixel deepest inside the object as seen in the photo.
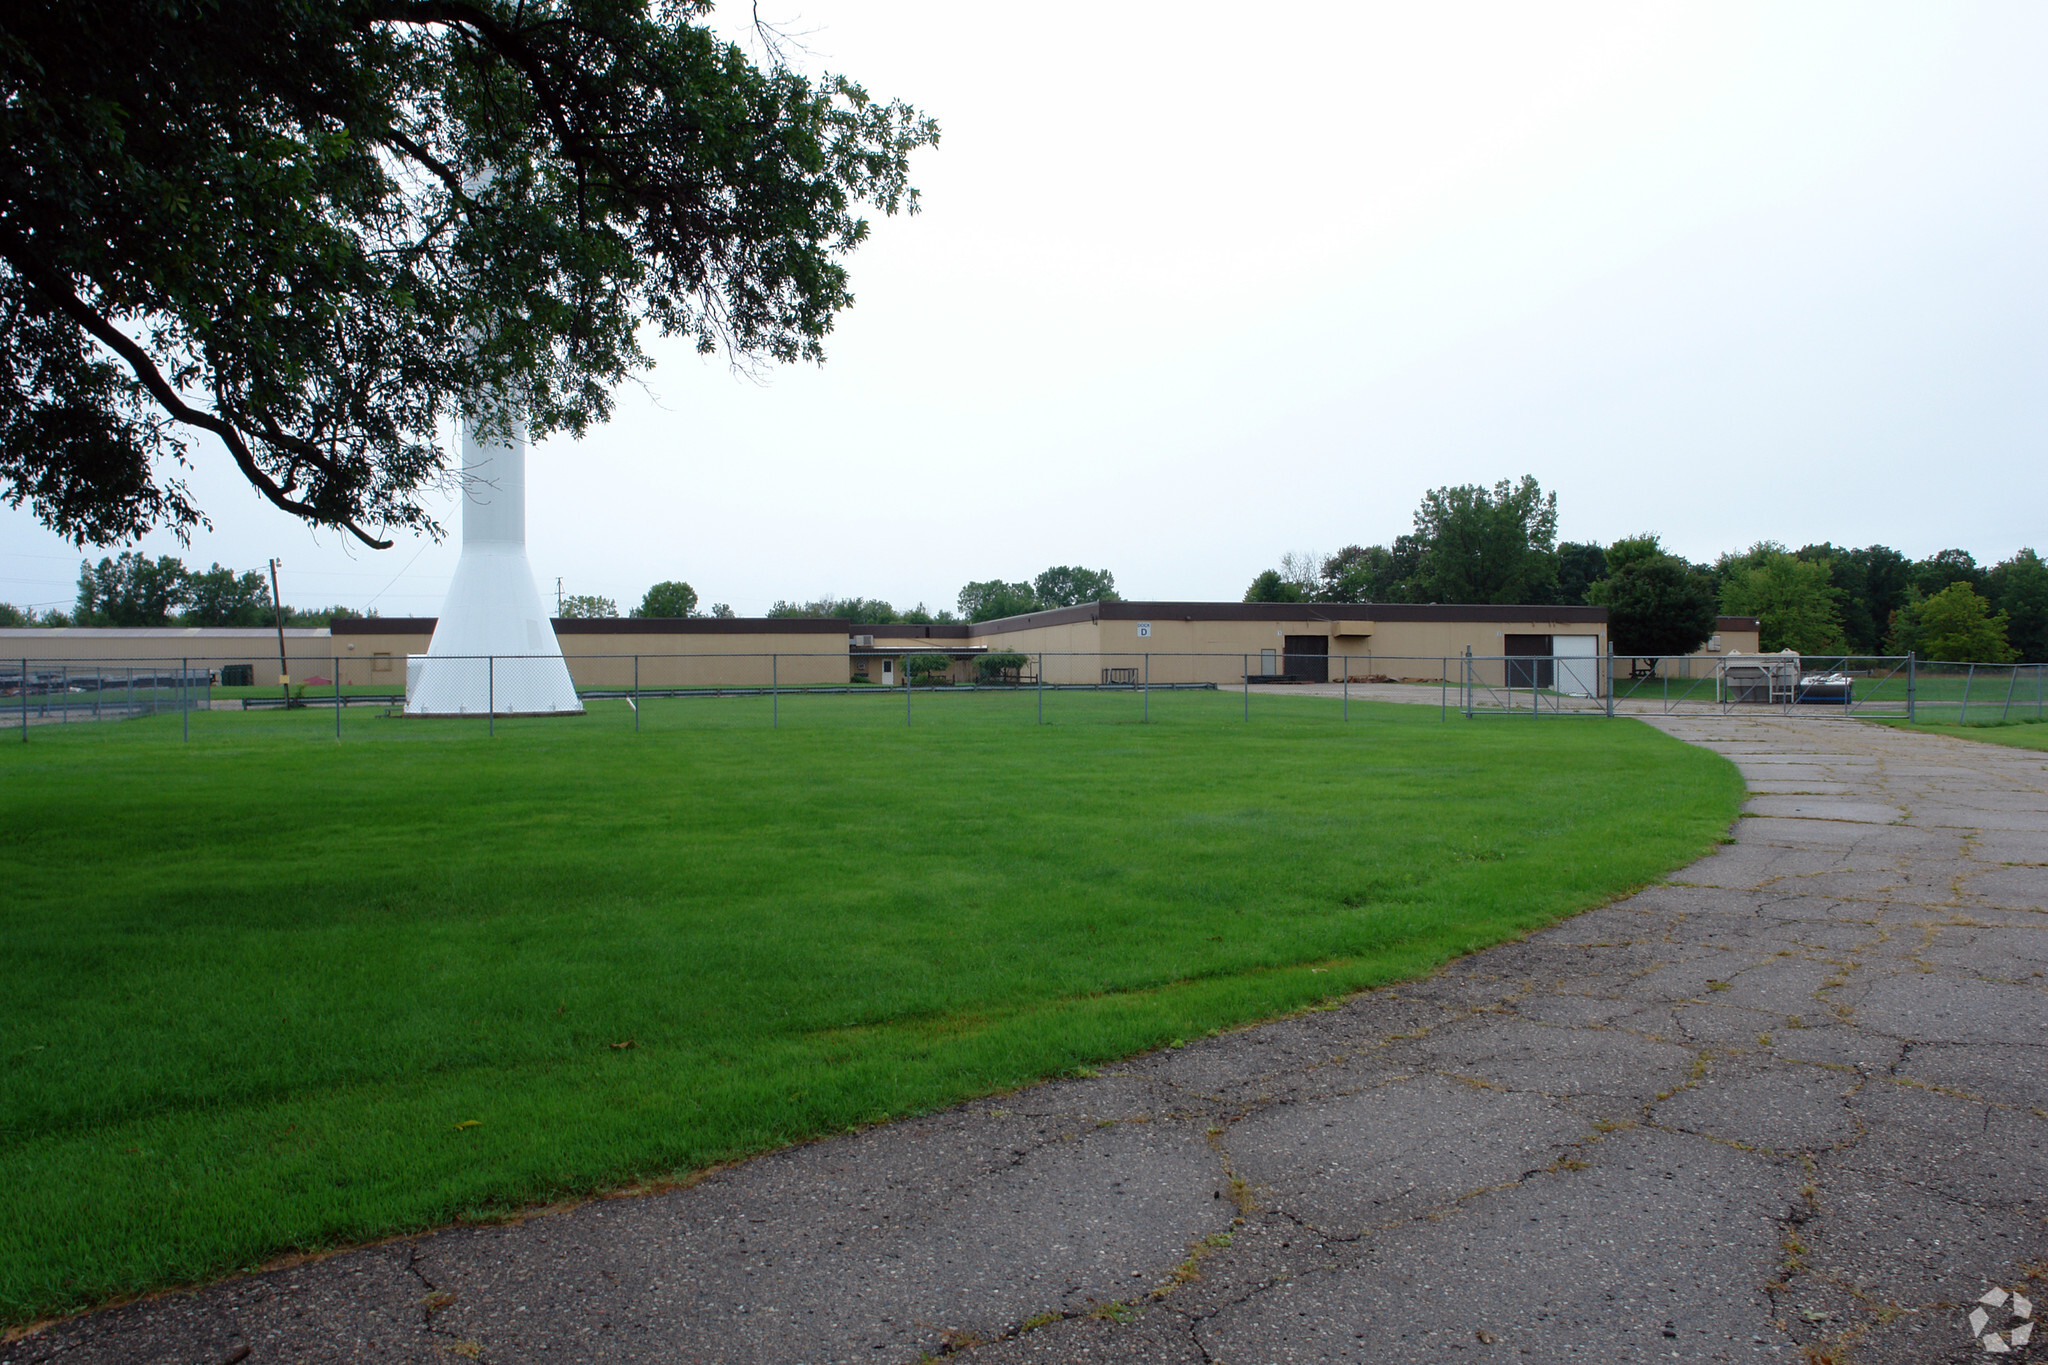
(1308, 658)
(1528, 660)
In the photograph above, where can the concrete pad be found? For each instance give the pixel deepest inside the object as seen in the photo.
(1824, 808)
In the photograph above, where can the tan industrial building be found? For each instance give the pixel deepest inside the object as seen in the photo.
(1225, 643)
(1165, 643)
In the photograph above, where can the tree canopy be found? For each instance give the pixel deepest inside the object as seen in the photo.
(588, 607)
(1069, 585)
(1656, 604)
(222, 597)
(1795, 601)
(2018, 588)
(994, 599)
(864, 611)
(1487, 545)
(130, 590)
(1955, 625)
(1273, 586)
(311, 229)
(668, 598)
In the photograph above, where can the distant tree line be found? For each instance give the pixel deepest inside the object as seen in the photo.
(1473, 544)
(667, 600)
(132, 589)
(1063, 585)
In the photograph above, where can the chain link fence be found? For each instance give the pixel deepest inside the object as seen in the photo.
(383, 696)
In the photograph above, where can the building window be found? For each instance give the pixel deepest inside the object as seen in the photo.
(1266, 661)
(380, 662)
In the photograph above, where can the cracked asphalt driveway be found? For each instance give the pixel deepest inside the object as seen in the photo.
(1790, 1105)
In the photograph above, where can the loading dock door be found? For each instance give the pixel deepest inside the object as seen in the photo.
(1528, 660)
(1577, 659)
(1308, 657)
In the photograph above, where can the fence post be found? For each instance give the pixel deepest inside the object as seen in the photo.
(64, 693)
(1610, 680)
(184, 702)
(337, 699)
(1968, 678)
(1443, 690)
(774, 692)
(1246, 660)
(1344, 662)
(1041, 687)
(491, 696)
(1148, 689)
(906, 689)
(24, 701)
(636, 694)
(1912, 658)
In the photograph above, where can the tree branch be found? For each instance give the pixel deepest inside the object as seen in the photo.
(52, 285)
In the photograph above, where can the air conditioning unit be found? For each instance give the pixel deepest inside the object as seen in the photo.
(864, 641)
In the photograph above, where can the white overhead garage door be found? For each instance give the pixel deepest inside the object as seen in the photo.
(1577, 664)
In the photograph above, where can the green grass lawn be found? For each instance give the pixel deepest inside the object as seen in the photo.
(2020, 734)
(263, 991)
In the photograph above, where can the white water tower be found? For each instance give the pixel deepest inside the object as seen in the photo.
(494, 648)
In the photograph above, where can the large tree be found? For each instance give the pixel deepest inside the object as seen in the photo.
(1795, 602)
(1954, 625)
(1579, 567)
(309, 230)
(994, 599)
(1487, 545)
(1274, 586)
(130, 590)
(1657, 604)
(669, 598)
(1069, 585)
(222, 597)
(1934, 574)
(2018, 588)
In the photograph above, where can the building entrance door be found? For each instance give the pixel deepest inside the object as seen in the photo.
(1528, 660)
(1308, 657)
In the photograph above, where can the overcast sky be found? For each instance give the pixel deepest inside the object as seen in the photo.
(1195, 286)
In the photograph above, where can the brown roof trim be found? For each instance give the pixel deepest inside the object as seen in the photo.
(1294, 611)
(910, 630)
(384, 625)
(701, 625)
(620, 625)
(1737, 623)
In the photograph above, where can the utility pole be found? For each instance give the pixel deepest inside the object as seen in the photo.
(284, 667)
(558, 599)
